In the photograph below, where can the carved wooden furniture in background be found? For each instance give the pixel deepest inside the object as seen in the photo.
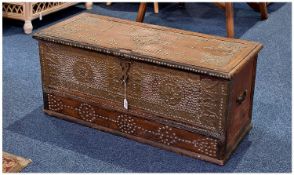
(28, 11)
(228, 7)
(178, 90)
(141, 12)
(229, 19)
(260, 7)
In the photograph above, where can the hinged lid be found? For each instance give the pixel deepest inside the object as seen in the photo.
(216, 56)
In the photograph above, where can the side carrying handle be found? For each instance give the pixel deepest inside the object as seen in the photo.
(242, 97)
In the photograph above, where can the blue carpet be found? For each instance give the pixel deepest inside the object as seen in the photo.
(59, 146)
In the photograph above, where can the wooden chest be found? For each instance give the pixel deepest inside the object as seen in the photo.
(181, 91)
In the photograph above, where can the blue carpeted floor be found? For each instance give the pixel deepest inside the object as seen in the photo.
(59, 146)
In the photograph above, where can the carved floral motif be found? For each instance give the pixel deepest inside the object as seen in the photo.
(82, 71)
(87, 112)
(170, 92)
(126, 124)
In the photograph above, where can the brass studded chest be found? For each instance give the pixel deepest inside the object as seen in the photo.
(181, 91)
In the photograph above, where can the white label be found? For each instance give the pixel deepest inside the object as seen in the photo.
(125, 104)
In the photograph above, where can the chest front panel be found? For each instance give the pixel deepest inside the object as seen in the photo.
(188, 98)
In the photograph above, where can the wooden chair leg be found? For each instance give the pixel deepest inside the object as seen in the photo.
(229, 19)
(220, 5)
(263, 10)
(141, 12)
(156, 7)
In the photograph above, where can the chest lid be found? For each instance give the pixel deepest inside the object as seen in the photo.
(191, 51)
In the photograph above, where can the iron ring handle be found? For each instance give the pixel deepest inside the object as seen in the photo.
(242, 97)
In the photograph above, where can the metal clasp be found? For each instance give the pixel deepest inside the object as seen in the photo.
(125, 66)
